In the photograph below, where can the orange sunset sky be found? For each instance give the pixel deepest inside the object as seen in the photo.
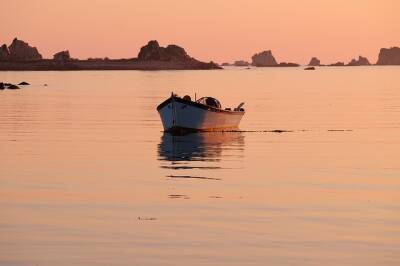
(219, 30)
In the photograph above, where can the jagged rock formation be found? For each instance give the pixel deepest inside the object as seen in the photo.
(241, 63)
(337, 64)
(151, 57)
(362, 61)
(4, 53)
(62, 56)
(21, 51)
(389, 56)
(263, 59)
(153, 52)
(314, 62)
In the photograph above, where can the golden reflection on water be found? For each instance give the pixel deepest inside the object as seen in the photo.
(206, 146)
(88, 178)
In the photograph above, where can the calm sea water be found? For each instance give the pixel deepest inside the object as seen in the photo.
(87, 177)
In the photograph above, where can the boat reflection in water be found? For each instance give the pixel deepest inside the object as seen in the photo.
(206, 150)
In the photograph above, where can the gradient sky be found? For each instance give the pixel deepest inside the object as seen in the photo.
(219, 30)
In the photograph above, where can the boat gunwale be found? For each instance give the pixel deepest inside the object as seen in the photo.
(198, 105)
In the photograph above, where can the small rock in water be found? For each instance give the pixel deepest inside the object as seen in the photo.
(24, 83)
(13, 87)
(309, 68)
(147, 218)
(2, 87)
(45, 85)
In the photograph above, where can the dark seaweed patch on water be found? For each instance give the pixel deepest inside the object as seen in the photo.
(192, 167)
(178, 196)
(193, 177)
(278, 131)
(261, 131)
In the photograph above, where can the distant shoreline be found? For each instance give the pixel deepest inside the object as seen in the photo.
(90, 65)
(20, 56)
(110, 64)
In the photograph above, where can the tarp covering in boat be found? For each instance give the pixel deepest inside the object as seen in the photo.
(210, 101)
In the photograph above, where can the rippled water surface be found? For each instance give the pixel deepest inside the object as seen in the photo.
(87, 177)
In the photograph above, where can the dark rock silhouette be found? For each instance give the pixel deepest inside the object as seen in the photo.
(310, 68)
(24, 83)
(177, 53)
(241, 63)
(62, 56)
(225, 64)
(337, 64)
(264, 59)
(153, 52)
(21, 56)
(362, 61)
(21, 51)
(13, 87)
(2, 86)
(4, 53)
(389, 56)
(314, 62)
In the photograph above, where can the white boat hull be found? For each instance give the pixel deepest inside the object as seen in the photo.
(178, 114)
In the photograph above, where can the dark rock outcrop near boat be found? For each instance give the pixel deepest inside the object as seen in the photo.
(310, 68)
(337, 64)
(241, 63)
(21, 51)
(264, 59)
(314, 62)
(151, 57)
(389, 56)
(362, 61)
(13, 87)
(62, 56)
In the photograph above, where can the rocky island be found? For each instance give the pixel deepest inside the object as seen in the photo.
(241, 63)
(337, 64)
(314, 62)
(263, 59)
(389, 56)
(20, 56)
(362, 61)
(266, 59)
(237, 63)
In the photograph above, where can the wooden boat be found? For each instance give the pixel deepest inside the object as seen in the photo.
(205, 114)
